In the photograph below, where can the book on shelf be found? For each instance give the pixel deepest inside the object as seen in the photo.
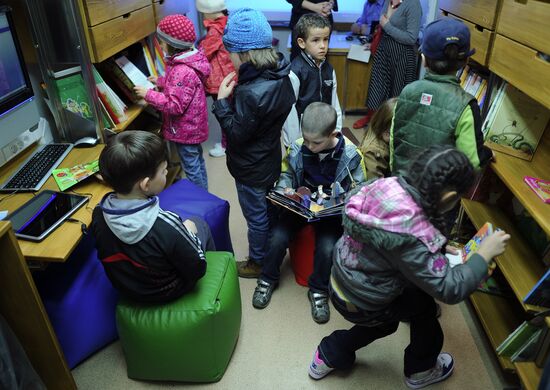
(113, 105)
(540, 293)
(472, 82)
(540, 187)
(132, 72)
(308, 205)
(515, 123)
(67, 177)
(160, 64)
(517, 339)
(148, 58)
(73, 94)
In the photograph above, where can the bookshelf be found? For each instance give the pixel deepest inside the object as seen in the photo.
(512, 40)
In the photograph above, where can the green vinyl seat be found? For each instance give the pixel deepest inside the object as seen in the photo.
(190, 339)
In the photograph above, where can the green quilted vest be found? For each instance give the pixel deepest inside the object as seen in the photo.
(426, 114)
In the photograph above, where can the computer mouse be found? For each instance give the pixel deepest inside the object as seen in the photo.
(86, 142)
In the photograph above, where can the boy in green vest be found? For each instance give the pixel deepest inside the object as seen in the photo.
(436, 110)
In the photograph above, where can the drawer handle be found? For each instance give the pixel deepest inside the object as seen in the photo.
(126, 16)
(543, 56)
(478, 28)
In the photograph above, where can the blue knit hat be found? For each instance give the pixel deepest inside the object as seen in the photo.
(247, 29)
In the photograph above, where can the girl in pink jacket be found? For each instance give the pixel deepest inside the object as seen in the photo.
(181, 96)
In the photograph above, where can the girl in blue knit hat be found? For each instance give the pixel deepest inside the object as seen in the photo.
(253, 120)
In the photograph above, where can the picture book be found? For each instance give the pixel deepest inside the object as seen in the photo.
(136, 76)
(68, 177)
(516, 123)
(517, 339)
(73, 95)
(310, 205)
(540, 187)
(540, 293)
(471, 246)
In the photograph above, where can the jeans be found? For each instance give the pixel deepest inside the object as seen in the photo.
(256, 212)
(426, 336)
(193, 164)
(327, 232)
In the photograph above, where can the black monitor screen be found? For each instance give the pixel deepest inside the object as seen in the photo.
(14, 83)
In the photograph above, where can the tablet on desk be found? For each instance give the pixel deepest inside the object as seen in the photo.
(42, 214)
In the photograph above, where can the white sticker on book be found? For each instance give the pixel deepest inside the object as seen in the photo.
(426, 99)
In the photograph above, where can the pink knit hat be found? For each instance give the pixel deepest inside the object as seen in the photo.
(177, 30)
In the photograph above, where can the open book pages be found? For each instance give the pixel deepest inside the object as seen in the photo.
(306, 207)
(68, 177)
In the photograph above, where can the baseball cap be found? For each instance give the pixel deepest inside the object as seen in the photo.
(443, 32)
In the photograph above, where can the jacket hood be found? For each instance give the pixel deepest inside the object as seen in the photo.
(129, 219)
(386, 206)
(194, 59)
(247, 71)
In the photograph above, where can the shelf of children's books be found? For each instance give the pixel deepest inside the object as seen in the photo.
(133, 111)
(512, 170)
(529, 374)
(495, 314)
(521, 267)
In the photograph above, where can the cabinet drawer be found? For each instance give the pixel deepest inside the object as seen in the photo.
(99, 11)
(111, 37)
(481, 12)
(527, 22)
(522, 67)
(169, 7)
(481, 39)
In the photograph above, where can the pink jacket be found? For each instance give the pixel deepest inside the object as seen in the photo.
(182, 99)
(215, 52)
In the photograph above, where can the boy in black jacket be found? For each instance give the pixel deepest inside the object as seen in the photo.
(253, 122)
(150, 255)
(313, 78)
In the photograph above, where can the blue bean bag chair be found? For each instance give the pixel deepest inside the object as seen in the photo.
(186, 199)
(80, 302)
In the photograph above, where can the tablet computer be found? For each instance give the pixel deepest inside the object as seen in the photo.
(43, 213)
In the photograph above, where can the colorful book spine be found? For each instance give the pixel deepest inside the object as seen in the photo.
(159, 58)
(539, 187)
(540, 294)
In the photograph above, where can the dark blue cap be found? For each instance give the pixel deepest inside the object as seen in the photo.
(443, 32)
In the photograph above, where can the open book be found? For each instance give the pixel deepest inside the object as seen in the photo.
(311, 206)
(68, 177)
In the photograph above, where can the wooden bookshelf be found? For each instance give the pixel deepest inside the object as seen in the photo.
(512, 170)
(494, 313)
(519, 264)
(133, 111)
(529, 374)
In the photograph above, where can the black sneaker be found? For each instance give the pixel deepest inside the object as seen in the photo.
(319, 306)
(442, 370)
(262, 294)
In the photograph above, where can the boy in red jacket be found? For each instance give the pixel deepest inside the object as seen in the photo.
(214, 15)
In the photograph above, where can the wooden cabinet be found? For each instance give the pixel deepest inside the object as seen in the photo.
(99, 11)
(480, 12)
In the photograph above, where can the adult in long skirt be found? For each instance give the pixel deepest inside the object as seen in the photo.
(395, 62)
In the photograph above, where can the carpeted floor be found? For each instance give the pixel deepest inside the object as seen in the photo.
(276, 344)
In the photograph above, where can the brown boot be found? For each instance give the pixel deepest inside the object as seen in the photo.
(249, 269)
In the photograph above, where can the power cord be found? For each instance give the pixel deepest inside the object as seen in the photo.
(83, 226)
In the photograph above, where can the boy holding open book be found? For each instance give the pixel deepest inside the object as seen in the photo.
(323, 157)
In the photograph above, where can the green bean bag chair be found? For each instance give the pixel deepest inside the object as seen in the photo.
(190, 339)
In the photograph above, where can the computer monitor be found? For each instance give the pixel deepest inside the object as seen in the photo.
(18, 108)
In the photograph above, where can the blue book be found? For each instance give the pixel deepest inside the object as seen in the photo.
(540, 294)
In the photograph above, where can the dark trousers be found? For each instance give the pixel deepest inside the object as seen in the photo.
(426, 336)
(327, 232)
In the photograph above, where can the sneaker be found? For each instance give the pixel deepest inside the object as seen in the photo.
(217, 151)
(249, 269)
(318, 369)
(319, 306)
(262, 294)
(364, 121)
(442, 370)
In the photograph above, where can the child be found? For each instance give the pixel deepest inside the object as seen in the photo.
(437, 110)
(369, 18)
(322, 157)
(214, 15)
(375, 147)
(313, 78)
(390, 264)
(150, 255)
(253, 123)
(181, 97)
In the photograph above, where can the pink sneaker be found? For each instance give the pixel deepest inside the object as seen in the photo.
(318, 369)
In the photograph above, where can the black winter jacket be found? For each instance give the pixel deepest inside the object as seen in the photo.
(261, 103)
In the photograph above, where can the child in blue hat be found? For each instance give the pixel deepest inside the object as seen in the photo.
(253, 120)
(436, 110)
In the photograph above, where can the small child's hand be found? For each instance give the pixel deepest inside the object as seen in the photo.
(451, 250)
(227, 85)
(141, 91)
(153, 79)
(190, 225)
(493, 245)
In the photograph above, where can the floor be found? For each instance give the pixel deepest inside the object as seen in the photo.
(276, 344)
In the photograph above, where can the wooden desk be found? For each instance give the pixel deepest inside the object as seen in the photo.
(61, 242)
(352, 76)
(20, 302)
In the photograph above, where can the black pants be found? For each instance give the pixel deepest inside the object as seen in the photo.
(338, 349)
(327, 232)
